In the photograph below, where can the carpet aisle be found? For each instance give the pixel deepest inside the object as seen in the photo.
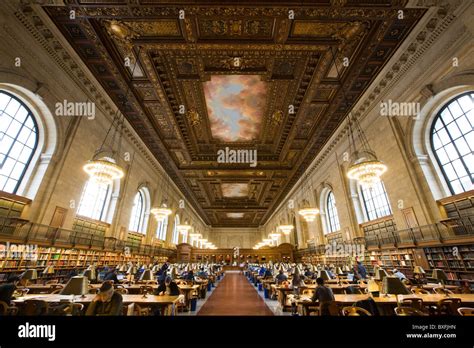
(235, 296)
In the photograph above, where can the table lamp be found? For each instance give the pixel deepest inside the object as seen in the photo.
(418, 270)
(373, 287)
(394, 286)
(324, 274)
(78, 285)
(123, 268)
(439, 274)
(380, 274)
(339, 271)
(147, 275)
(90, 273)
(48, 270)
(29, 274)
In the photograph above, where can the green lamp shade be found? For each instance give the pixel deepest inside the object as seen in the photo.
(439, 274)
(339, 271)
(324, 275)
(76, 286)
(394, 286)
(30, 274)
(147, 275)
(418, 270)
(380, 274)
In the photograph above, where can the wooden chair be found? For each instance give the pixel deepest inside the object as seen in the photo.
(354, 311)
(57, 291)
(409, 311)
(55, 287)
(413, 302)
(142, 311)
(35, 307)
(418, 291)
(442, 291)
(54, 281)
(146, 289)
(6, 309)
(466, 311)
(308, 292)
(122, 291)
(74, 309)
(448, 306)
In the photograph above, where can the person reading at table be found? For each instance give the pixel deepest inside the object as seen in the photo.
(106, 302)
(324, 295)
(189, 276)
(280, 277)
(7, 290)
(169, 288)
(399, 274)
(111, 275)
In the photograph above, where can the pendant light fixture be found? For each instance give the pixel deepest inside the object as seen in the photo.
(184, 228)
(163, 211)
(307, 212)
(102, 168)
(364, 167)
(285, 228)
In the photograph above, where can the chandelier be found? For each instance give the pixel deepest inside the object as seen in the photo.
(286, 229)
(307, 212)
(161, 213)
(183, 228)
(365, 167)
(103, 167)
(103, 170)
(274, 236)
(195, 236)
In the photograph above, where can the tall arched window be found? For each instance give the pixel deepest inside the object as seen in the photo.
(161, 229)
(331, 211)
(94, 200)
(175, 238)
(452, 141)
(138, 213)
(375, 201)
(18, 141)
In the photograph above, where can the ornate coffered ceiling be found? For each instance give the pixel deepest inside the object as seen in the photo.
(241, 77)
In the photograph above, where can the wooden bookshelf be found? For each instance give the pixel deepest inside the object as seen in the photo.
(456, 260)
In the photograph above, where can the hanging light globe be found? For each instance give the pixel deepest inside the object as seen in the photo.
(183, 228)
(366, 169)
(161, 213)
(309, 214)
(274, 236)
(103, 170)
(286, 229)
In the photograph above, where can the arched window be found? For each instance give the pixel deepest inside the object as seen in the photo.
(161, 229)
(452, 141)
(18, 141)
(175, 239)
(94, 200)
(331, 211)
(138, 213)
(375, 201)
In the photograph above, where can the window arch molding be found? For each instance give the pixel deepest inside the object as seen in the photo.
(326, 191)
(46, 142)
(143, 194)
(419, 134)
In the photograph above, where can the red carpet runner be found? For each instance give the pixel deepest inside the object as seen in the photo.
(235, 296)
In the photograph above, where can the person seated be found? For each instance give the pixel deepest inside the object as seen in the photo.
(106, 302)
(7, 289)
(324, 295)
(262, 271)
(189, 276)
(268, 273)
(361, 270)
(399, 274)
(308, 273)
(297, 281)
(169, 288)
(330, 273)
(74, 272)
(202, 273)
(111, 276)
(281, 277)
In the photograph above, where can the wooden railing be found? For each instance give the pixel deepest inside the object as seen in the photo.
(21, 231)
